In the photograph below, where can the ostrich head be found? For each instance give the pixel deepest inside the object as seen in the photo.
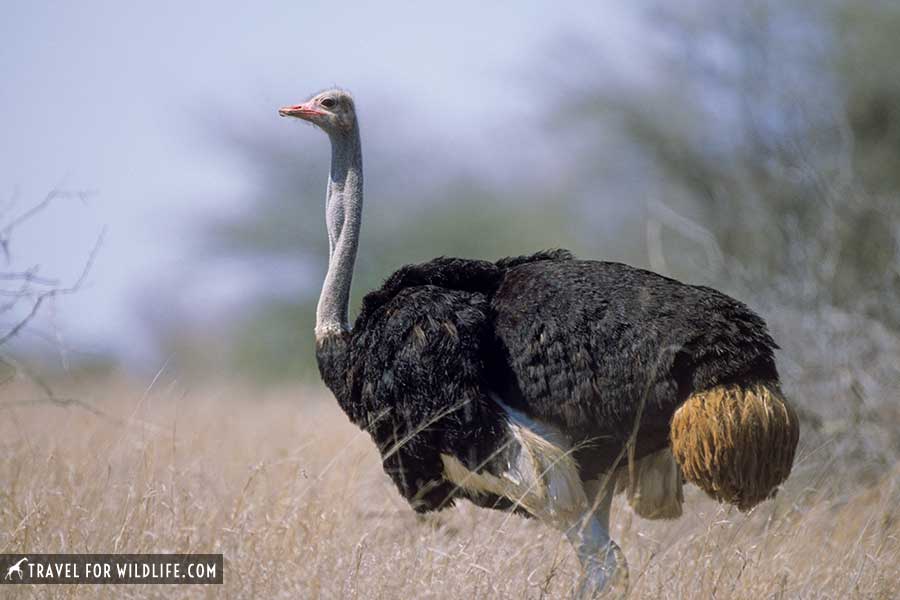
(332, 111)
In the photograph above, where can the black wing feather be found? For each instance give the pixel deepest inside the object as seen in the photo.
(587, 343)
(416, 365)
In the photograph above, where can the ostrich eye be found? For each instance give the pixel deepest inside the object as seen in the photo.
(328, 102)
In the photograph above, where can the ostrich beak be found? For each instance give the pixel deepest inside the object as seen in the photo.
(302, 111)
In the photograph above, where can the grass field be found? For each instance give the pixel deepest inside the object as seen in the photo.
(295, 498)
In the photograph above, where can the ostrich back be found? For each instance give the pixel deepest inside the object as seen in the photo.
(596, 348)
(592, 348)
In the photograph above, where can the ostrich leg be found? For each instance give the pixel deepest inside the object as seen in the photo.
(601, 559)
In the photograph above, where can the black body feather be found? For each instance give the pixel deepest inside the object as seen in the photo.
(587, 346)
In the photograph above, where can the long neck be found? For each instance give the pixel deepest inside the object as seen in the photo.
(343, 216)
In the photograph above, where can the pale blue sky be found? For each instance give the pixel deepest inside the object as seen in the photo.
(104, 96)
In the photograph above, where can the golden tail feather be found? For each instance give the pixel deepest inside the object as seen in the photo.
(736, 442)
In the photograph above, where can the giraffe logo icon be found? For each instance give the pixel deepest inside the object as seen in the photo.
(16, 568)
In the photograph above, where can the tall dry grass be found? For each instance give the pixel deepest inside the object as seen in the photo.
(295, 498)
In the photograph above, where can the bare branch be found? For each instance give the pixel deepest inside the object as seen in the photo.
(16, 296)
(39, 289)
(6, 230)
(49, 396)
(30, 276)
(43, 296)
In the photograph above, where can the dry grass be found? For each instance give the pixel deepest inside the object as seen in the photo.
(296, 500)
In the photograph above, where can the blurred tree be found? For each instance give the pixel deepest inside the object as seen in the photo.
(772, 126)
(867, 63)
(762, 141)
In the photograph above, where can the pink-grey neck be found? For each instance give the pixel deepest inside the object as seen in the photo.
(343, 218)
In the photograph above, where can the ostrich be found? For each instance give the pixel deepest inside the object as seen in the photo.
(544, 384)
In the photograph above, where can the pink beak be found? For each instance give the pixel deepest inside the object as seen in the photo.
(301, 110)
